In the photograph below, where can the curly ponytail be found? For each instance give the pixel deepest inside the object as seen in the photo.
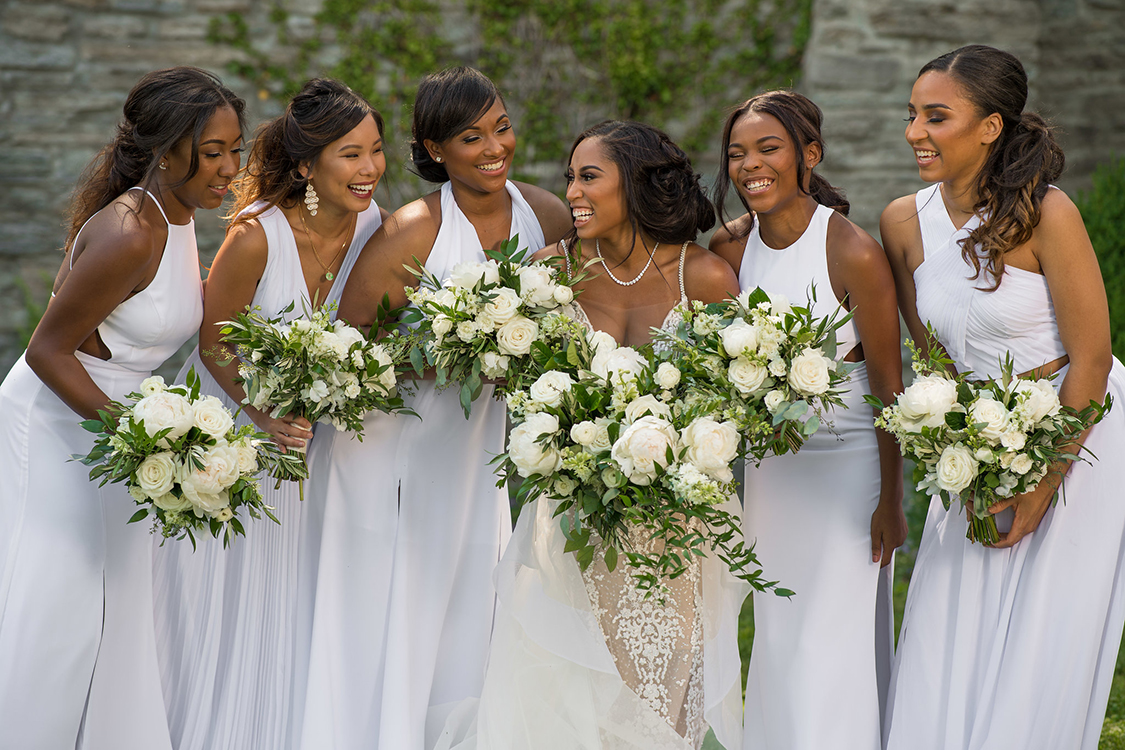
(801, 119)
(1022, 163)
(165, 107)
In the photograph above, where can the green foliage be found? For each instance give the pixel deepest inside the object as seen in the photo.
(1103, 210)
(562, 64)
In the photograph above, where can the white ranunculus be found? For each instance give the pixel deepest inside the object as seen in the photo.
(171, 503)
(1022, 463)
(152, 385)
(809, 373)
(536, 286)
(548, 390)
(622, 361)
(503, 307)
(926, 402)
(739, 338)
(466, 275)
(212, 417)
(746, 376)
(162, 411)
(956, 468)
(774, 399)
(530, 457)
(1013, 440)
(993, 414)
(563, 294)
(649, 404)
(494, 365)
(711, 446)
(1039, 400)
(643, 446)
(442, 324)
(584, 433)
(667, 376)
(516, 336)
(157, 474)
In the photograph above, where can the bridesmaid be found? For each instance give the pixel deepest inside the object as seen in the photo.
(1013, 646)
(414, 522)
(828, 517)
(233, 623)
(78, 664)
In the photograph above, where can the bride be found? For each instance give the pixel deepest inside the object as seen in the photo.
(581, 659)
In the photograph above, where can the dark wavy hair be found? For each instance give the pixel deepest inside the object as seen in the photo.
(1021, 163)
(447, 102)
(324, 110)
(164, 108)
(801, 119)
(663, 195)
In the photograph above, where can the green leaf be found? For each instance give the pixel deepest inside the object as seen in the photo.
(611, 557)
(140, 515)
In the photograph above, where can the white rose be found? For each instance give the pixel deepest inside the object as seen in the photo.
(600, 341)
(584, 433)
(739, 338)
(773, 400)
(1022, 463)
(809, 373)
(646, 403)
(779, 304)
(565, 487)
(137, 493)
(926, 402)
(467, 275)
(564, 295)
(776, 367)
(956, 468)
(601, 442)
(442, 324)
(993, 414)
(621, 361)
(711, 447)
(247, 456)
(548, 390)
(157, 474)
(1039, 400)
(503, 306)
(530, 457)
(1006, 460)
(746, 376)
(152, 385)
(212, 417)
(667, 376)
(169, 502)
(536, 286)
(467, 330)
(162, 411)
(517, 335)
(494, 365)
(1013, 440)
(643, 446)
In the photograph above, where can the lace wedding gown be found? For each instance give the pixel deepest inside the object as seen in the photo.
(583, 661)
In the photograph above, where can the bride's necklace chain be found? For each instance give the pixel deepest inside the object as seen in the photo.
(328, 275)
(598, 250)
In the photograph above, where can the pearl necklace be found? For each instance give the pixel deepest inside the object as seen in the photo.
(598, 249)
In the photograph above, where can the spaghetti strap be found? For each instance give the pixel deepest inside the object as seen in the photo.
(154, 200)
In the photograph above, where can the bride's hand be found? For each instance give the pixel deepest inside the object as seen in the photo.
(289, 431)
(1030, 508)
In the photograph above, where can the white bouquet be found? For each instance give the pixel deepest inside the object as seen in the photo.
(183, 461)
(981, 440)
(485, 319)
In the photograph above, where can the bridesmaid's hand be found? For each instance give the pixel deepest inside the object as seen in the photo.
(1030, 508)
(288, 431)
(888, 531)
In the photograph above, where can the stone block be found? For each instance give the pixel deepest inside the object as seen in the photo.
(868, 73)
(223, 6)
(37, 22)
(24, 55)
(114, 26)
(185, 28)
(38, 81)
(23, 165)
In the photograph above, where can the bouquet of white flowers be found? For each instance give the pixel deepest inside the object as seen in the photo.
(761, 364)
(484, 320)
(615, 437)
(183, 461)
(981, 440)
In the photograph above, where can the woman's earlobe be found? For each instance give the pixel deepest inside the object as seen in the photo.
(993, 129)
(813, 154)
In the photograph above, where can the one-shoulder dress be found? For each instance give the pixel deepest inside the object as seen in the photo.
(1010, 648)
(78, 658)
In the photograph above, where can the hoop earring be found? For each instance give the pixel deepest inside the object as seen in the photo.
(312, 200)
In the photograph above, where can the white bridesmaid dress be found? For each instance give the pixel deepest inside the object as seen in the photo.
(1010, 647)
(414, 525)
(821, 659)
(233, 624)
(78, 658)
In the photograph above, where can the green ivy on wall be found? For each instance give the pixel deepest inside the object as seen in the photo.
(562, 64)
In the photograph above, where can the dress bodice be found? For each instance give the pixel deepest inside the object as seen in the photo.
(978, 327)
(794, 270)
(150, 326)
(283, 279)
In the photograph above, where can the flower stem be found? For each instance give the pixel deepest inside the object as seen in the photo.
(982, 530)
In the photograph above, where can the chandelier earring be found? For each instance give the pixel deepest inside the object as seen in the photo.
(312, 200)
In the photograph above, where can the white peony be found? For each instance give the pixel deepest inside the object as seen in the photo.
(162, 411)
(746, 376)
(536, 286)
(926, 402)
(207, 487)
(667, 376)
(503, 307)
(624, 362)
(494, 365)
(584, 433)
(467, 275)
(212, 417)
(643, 446)
(152, 385)
(1022, 463)
(739, 338)
(711, 446)
(773, 400)
(516, 336)
(993, 414)
(157, 474)
(548, 390)
(956, 468)
(649, 404)
(1038, 400)
(809, 372)
(530, 457)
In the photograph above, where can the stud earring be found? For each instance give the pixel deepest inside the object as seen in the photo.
(163, 165)
(437, 159)
(312, 200)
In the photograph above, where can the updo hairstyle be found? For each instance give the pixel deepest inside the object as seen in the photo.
(447, 103)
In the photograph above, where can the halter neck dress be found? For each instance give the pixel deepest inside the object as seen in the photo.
(78, 661)
(414, 525)
(1010, 647)
(233, 624)
(814, 678)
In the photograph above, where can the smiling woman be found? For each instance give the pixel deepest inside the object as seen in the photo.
(78, 663)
